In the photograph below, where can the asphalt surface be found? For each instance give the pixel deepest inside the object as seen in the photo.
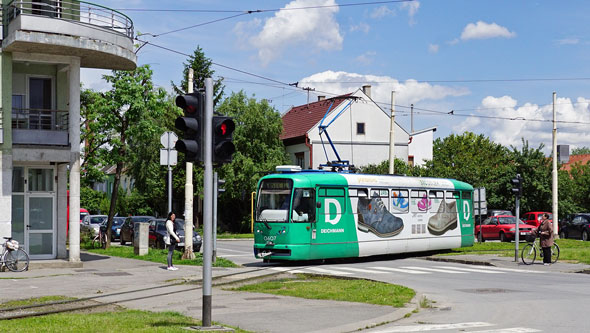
(149, 286)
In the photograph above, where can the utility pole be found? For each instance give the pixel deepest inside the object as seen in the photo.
(391, 135)
(208, 204)
(308, 89)
(412, 117)
(554, 171)
(188, 194)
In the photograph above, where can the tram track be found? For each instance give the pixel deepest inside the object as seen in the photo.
(81, 304)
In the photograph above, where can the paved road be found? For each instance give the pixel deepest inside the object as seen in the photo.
(507, 297)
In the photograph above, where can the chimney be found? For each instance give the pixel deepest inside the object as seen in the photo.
(321, 98)
(367, 90)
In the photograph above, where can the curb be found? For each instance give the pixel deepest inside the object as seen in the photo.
(461, 261)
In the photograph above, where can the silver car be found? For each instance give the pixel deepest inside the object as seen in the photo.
(92, 222)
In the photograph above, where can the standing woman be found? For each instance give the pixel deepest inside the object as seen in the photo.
(546, 235)
(173, 239)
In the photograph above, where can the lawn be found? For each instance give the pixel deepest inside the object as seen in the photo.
(338, 289)
(571, 250)
(155, 255)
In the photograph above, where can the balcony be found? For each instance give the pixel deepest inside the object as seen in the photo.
(101, 37)
(39, 127)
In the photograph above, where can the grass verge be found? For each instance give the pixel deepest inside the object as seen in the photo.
(337, 289)
(156, 255)
(571, 250)
(227, 235)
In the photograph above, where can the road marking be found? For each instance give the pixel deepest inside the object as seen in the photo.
(470, 270)
(509, 330)
(327, 271)
(434, 327)
(399, 270)
(360, 270)
(511, 269)
(434, 270)
(287, 269)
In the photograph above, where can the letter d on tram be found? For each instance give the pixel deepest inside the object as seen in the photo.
(338, 211)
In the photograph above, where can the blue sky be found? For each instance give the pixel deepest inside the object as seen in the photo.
(485, 59)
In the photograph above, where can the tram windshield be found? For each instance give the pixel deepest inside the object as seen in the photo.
(274, 198)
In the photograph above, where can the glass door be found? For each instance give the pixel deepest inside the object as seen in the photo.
(40, 227)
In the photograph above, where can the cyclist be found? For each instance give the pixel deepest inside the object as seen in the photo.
(545, 232)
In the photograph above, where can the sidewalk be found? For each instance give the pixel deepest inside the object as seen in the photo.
(113, 276)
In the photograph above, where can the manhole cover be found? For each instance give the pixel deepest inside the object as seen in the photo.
(112, 274)
(488, 290)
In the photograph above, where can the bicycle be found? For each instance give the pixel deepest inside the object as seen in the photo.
(13, 256)
(529, 251)
(100, 238)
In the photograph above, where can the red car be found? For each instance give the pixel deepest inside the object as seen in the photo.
(534, 218)
(502, 227)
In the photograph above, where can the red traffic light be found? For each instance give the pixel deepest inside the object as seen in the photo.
(226, 127)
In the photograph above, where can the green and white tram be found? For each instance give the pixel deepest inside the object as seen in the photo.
(306, 215)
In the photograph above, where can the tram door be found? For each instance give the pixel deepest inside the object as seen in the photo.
(331, 232)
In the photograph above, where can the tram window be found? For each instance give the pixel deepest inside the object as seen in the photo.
(399, 200)
(303, 205)
(353, 192)
(466, 195)
(331, 192)
(274, 197)
(437, 194)
(380, 193)
(419, 201)
(453, 195)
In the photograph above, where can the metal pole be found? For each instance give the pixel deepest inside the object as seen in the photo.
(412, 117)
(207, 205)
(517, 228)
(554, 171)
(215, 195)
(391, 135)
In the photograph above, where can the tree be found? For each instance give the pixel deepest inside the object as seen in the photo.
(258, 151)
(476, 160)
(580, 151)
(124, 115)
(202, 70)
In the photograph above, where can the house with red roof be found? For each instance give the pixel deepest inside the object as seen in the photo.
(575, 159)
(357, 127)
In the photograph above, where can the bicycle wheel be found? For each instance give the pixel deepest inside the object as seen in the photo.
(16, 260)
(554, 253)
(96, 241)
(528, 254)
(103, 240)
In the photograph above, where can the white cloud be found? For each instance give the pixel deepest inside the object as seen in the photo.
(483, 30)
(568, 41)
(366, 58)
(407, 92)
(316, 29)
(363, 27)
(511, 123)
(92, 79)
(412, 8)
(382, 12)
(433, 48)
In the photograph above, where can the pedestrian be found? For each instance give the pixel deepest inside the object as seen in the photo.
(172, 239)
(545, 232)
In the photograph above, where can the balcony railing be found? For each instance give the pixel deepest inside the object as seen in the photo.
(40, 119)
(79, 11)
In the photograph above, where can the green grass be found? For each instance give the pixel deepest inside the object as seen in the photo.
(338, 289)
(156, 255)
(120, 321)
(227, 235)
(33, 301)
(571, 250)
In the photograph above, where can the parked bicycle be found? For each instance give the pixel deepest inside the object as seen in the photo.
(101, 237)
(529, 251)
(13, 256)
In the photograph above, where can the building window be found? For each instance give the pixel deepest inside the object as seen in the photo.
(300, 160)
(360, 128)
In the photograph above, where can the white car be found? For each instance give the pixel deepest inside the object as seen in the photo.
(93, 222)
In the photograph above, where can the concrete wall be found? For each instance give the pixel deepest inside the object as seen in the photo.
(421, 147)
(6, 146)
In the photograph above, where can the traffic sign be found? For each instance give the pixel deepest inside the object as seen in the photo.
(168, 139)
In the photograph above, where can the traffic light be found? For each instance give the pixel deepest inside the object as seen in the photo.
(191, 124)
(517, 185)
(223, 147)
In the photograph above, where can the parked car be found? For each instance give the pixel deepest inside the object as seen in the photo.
(127, 227)
(158, 231)
(534, 218)
(496, 212)
(93, 222)
(115, 228)
(578, 226)
(502, 227)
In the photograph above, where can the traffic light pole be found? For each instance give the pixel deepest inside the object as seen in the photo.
(207, 204)
(517, 231)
